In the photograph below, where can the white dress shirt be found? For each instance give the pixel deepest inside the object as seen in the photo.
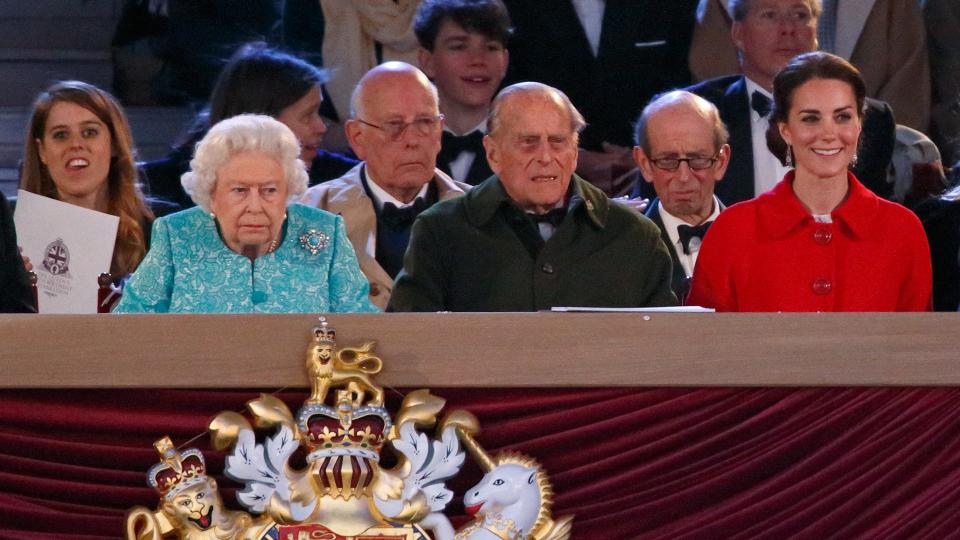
(590, 13)
(670, 224)
(380, 196)
(767, 169)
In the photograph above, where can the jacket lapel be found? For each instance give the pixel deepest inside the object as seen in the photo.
(737, 184)
(678, 276)
(480, 168)
(851, 18)
(361, 222)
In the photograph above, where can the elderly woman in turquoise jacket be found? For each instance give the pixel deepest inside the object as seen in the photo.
(244, 248)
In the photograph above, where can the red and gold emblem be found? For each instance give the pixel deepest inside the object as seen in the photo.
(343, 493)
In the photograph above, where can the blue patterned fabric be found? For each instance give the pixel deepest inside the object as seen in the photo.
(190, 270)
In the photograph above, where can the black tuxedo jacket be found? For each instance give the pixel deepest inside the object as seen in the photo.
(679, 282)
(729, 94)
(16, 293)
(643, 51)
(941, 221)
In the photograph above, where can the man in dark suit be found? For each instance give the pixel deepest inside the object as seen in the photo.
(681, 149)
(463, 49)
(768, 33)
(610, 59)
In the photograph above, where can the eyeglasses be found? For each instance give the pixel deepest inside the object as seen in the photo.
(798, 16)
(695, 163)
(424, 125)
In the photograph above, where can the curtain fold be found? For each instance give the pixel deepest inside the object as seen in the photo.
(629, 463)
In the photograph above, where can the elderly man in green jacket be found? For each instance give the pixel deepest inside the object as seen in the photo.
(535, 236)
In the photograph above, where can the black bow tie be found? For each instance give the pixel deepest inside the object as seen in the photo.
(760, 103)
(401, 218)
(687, 232)
(553, 217)
(453, 144)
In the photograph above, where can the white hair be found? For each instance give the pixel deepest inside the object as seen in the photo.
(244, 133)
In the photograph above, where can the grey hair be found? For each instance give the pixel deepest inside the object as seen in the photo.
(577, 122)
(396, 67)
(739, 9)
(244, 133)
(674, 98)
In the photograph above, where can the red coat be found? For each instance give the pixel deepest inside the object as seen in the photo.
(768, 254)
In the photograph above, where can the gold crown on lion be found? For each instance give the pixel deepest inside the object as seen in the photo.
(176, 471)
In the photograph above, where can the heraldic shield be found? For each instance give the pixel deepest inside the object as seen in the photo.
(342, 493)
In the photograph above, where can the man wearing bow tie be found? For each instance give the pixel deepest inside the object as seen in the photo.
(681, 149)
(463, 49)
(395, 129)
(535, 236)
(767, 34)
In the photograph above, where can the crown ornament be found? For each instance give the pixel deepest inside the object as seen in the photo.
(325, 333)
(176, 471)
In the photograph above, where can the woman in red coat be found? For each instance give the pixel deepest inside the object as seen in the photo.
(819, 240)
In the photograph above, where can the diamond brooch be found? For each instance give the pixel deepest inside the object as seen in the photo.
(314, 240)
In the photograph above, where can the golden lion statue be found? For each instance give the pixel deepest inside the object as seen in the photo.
(349, 368)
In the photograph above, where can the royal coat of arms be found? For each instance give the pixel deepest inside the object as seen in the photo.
(342, 493)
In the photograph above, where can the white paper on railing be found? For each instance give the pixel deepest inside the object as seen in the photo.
(665, 309)
(69, 248)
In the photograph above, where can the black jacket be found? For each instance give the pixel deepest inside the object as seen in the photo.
(16, 294)
(643, 51)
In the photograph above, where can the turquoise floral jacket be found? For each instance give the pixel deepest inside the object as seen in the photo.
(190, 270)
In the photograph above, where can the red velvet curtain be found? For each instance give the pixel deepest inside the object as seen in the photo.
(630, 463)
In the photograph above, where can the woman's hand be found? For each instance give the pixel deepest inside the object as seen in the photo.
(639, 204)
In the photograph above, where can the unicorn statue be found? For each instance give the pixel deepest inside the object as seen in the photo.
(514, 497)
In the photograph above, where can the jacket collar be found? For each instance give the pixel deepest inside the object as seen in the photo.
(483, 201)
(780, 212)
(352, 193)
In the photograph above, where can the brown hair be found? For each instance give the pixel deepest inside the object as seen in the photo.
(124, 198)
(803, 68)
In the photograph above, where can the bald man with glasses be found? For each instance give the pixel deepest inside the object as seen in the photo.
(681, 149)
(395, 128)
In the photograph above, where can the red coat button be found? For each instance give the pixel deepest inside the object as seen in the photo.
(822, 286)
(823, 235)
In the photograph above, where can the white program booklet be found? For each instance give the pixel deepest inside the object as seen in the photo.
(69, 248)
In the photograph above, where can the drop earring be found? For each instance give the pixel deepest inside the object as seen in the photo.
(789, 158)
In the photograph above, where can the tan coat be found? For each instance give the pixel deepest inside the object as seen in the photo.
(345, 196)
(885, 39)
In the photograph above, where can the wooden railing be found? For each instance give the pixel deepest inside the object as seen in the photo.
(484, 350)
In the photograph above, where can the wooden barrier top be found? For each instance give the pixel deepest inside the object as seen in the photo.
(488, 350)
